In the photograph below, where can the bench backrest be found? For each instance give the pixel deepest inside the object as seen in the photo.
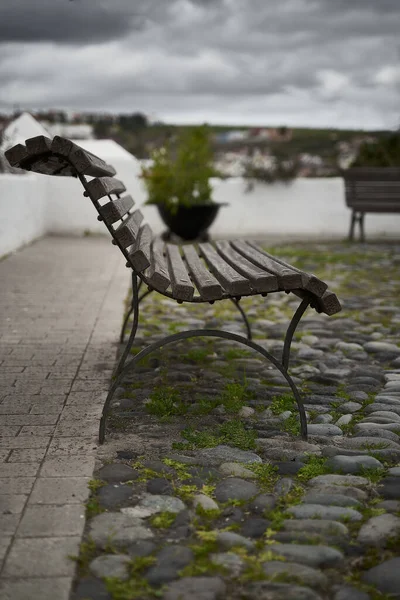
(62, 157)
(369, 189)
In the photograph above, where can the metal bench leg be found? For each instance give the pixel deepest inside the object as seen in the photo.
(361, 225)
(301, 309)
(201, 333)
(135, 310)
(244, 317)
(352, 225)
(131, 309)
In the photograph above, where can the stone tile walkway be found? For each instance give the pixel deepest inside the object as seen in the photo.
(61, 302)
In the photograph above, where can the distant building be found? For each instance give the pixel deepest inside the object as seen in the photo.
(78, 132)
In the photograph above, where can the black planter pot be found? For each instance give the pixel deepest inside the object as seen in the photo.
(189, 222)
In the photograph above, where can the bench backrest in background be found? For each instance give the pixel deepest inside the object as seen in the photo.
(369, 189)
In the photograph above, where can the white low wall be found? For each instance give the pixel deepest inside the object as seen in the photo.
(32, 205)
(23, 200)
(306, 208)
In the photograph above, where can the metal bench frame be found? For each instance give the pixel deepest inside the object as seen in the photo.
(63, 158)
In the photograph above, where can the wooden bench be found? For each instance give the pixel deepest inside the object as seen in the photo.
(371, 190)
(204, 272)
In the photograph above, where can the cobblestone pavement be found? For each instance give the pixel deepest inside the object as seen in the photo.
(204, 490)
(61, 307)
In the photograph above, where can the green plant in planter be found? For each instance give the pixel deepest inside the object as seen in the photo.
(180, 176)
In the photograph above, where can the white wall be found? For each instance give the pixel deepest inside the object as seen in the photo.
(31, 205)
(23, 200)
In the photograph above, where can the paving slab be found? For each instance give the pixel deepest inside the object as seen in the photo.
(62, 305)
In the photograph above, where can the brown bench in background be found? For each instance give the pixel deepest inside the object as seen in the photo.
(371, 190)
(196, 273)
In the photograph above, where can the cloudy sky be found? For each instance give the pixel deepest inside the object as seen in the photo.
(290, 62)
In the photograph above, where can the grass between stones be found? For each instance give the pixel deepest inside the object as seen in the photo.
(166, 403)
(231, 433)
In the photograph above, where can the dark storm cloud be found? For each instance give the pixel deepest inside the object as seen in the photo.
(295, 58)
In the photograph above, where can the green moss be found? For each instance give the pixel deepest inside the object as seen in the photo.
(186, 492)
(232, 433)
(163, 520)
(136, 587)
(374, 475)
(95, 484)
(198, 355)
(93, 507)
(291, 425)
(234, 397)
(267, 475)
(180, 468)
(87, 552)
(315, 466)
(282, 403)
(165, 402)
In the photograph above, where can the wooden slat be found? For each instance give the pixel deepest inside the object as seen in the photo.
(104, 186)
(139, 256)
(261, 280)
(288, 279)
(38, 145)
(42, 160)
(182, 287)
(310, 282)
(376, 208)
(16, 155)
(87, 163)
(372, 174)
(84, 161)
(231, 280)
(114, 211)
(63, 146)
(208, 286)
(127, 232)
(36, 157)
(158, 272)
(329, 303)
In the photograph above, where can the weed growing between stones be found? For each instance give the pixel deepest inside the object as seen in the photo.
(231, 433)
(136, 586)
(87, 552)
(165, 402)
(92, 506)
(163, 520)
(316, 465)
(374, 475)
(266, 475)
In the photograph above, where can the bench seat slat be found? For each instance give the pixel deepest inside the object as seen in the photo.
(116, 209)
(139, 256)
(261, 280)
(158, 272)
(127, 232)
(310, 282)
(288, 279)
(104, 186)
(383, 208)
(182, 287)
(232, 281)
(208, 286)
